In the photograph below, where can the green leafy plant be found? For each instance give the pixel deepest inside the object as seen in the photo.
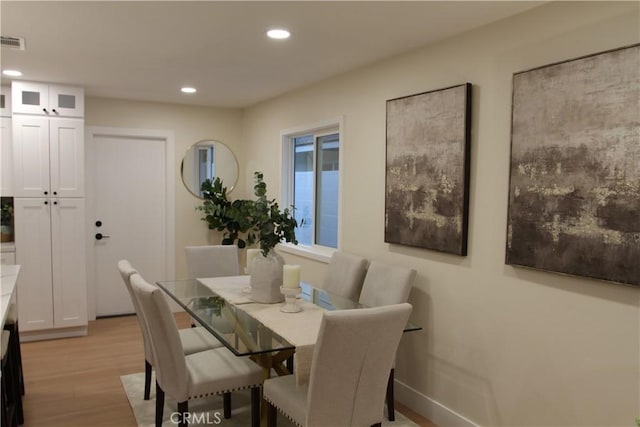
(247, 221)
(6, 214)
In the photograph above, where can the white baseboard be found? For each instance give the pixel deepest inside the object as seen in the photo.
(429, 408)
(50, 334)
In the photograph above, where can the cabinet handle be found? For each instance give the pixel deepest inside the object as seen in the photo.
(45, 110)
(46, 203)
(46, 192)
(100, 236)
(54, 110)
(55, 193)
(55, 203)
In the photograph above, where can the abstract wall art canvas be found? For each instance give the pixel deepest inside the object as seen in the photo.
(427, 169)
(574, 196)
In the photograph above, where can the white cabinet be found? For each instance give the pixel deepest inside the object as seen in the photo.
(6, 157)
(50, 248)
(48, 157)
(5, 101)
(47, 100)
(49, 214)
(7, 258)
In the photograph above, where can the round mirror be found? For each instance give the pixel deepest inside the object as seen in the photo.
(208, 159)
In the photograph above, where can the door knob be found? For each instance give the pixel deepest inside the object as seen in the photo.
(99, 236)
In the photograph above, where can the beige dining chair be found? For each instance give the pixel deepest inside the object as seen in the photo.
(212, 261)
(184, 377)
(345, 274)
(354, 352)
(193, 340)
(386, 285)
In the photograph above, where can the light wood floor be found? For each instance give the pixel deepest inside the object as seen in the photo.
(76, 381)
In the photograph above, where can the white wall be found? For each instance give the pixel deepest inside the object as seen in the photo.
(190, 125)
(500, 345)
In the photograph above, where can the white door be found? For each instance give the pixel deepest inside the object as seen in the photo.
(130, 211)
(35, 292)
(68, 262)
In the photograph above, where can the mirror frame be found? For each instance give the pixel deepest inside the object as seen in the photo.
(213, 141)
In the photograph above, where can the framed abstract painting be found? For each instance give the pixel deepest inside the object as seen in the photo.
(427, 169)
(574, 193)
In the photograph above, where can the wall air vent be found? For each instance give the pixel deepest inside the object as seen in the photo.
(12, 42)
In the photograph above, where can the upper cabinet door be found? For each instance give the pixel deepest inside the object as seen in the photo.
(5, 101)
(66, 101)
(6, 156)
(47, 100)
(66, 155)
(30, 98)
(30, 156)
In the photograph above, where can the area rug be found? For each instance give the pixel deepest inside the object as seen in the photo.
(206, 411)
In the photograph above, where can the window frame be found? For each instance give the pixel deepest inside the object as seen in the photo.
(326, 127)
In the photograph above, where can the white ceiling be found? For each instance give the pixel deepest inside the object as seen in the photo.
(148, 50)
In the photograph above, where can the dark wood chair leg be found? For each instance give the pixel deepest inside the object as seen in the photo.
(14, 355)
(255, 407)
(272, 415)
(290, 364)
(226, 405)
(147, 379)
(159, 405)
(391, 413)
(183, 409)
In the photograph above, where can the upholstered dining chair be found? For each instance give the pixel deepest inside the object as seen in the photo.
(354, 351)
(345, 274)
(210, 372)
(386, 285)
(193, 340)
(212, 261)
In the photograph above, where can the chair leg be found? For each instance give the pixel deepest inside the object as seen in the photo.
(183, 409)
(147, 379)
(290, 364)
(226, 405)
(255, 407)
(272, 415)
(391, 413)
(14, 355)
(376, 425)
(159, 405)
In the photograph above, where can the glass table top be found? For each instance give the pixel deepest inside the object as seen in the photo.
(237, 329)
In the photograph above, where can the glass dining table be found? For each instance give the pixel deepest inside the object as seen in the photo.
(235, 323)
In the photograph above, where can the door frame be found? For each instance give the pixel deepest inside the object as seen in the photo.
(91, 132)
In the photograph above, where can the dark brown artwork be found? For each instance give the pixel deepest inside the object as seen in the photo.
(427, 175)
(574, 197)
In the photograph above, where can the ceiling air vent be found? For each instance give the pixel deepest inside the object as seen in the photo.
(12, 42)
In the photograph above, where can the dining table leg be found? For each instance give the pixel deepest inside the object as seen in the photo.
(269, 361)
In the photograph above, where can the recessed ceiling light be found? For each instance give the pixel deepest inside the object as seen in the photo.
(12, 73)
(278, 33)
(188, 89)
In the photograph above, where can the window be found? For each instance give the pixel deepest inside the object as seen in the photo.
(312, 179)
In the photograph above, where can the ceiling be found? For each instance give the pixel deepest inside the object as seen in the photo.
(147, 50)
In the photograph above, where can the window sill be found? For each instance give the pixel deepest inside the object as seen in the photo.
(315, 253)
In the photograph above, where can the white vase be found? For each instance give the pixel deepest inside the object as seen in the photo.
(266, 278)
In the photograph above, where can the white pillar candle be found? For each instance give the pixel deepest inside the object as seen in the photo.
(291, 276)
(251, 254)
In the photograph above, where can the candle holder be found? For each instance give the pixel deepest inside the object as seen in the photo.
(247, 290)
(290, 302)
